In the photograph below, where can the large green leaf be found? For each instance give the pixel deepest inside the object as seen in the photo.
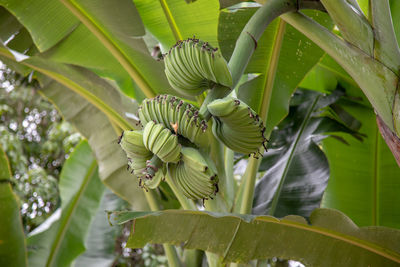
(100, 243)
(47, 21)
(59, 243)
(12, 238)
(105, 19)
(296, 57)
(82, 48)
(297, 170)
(102, 137)
(91, 104)
(91, 87)
(102, 44)
(364, 180)
(199, 18)
(332, 239)
(79, 47)
(364, 175)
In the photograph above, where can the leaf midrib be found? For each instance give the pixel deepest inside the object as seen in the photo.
(171, 21)
(367, 245)
(112, 47)
(91, 98)
(275, 200)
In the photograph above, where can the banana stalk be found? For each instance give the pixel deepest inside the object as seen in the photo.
(352, 23)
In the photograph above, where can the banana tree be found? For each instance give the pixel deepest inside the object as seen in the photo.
(224, 83)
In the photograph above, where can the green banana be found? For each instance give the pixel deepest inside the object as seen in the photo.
(161, 142)
(192, 66)
(237, 126)
(193, 175)
(178, 116)
(143, 164)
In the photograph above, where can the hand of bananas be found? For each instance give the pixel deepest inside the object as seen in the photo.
(174, 130)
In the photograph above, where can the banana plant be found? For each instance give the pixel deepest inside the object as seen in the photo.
(216, 89)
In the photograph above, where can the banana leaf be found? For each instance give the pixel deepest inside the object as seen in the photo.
(331, 238)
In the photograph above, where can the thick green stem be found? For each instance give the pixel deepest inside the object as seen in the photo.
(247, 41)
(386, 48)
(218, 91)
(249, 179)
(230, 179)
(353, 25)
(112, 47)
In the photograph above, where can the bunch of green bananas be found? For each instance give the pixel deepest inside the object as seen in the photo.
(193, 66)
(161, 142)
(174, 132)
(177, 115)
(156, 148)
(194, 176)
(140, 159)
(237, 125)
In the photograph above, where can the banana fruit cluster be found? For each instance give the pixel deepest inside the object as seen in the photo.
(178, 116)
(174, 131)
(192, 66)
(156, 149)
(194, 176)
(237, 126)
(161, 142)
(140, 159)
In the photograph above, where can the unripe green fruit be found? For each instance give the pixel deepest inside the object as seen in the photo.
(177, 115)
(192, 66)
(193, 175)
(237, 125)
(141, 162)
(161, 142)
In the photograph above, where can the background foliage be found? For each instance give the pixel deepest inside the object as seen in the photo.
(96, 60)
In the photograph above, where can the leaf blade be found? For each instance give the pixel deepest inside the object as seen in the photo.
(80, 192)
(212, 232)
(12, 238)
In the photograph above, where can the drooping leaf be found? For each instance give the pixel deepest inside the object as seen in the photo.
(12, 238)
(199, 18)
(297, 56)
(80, 191)
(102, 137)
(104, 20)
(364, 180)
(331, 237)
(100, 243)
(364, 175)
(297, 170)
(91, 104)
(80, 46)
